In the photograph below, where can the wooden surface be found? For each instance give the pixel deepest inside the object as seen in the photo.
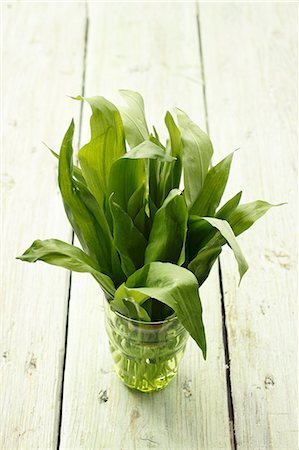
(252, 107)
(232, 67)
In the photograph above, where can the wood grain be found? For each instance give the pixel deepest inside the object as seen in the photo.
(152, 49)
(42, 63)
(250, 60)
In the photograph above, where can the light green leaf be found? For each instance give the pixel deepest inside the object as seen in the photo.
(244, 216)
(133, 117)
(128, 240)
(169, 229)
(156, 140)
(197, 152)
(135, 311)
(104, 116)
(228, 234)
(148, 150)
(59, 253)
(176, 287)
(94, 234)
(212, 190)
(129, 306)
(106, 146)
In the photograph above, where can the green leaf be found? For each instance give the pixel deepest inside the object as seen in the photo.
(136, 209)
(176, 287)
(199, 233)
(202, 264)
(129, 306)
(170, 174)
(142, 221)
(148, 150)
(128, 240)
(93, 233)
(197, 152)
(228, 234)
(212, 190)
(240, 219)
(106, 146)
(244, 216)
(176, 149)
(104, 116)
(59, 253)
(126, 177)
(77, 172)
(136, 201)
(155, 139)
(133, 117)
(229, 207)
(135, 311)
(169, 229)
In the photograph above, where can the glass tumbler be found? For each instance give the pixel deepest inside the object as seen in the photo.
(146, 354)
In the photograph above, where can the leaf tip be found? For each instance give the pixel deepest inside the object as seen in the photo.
(77, 97)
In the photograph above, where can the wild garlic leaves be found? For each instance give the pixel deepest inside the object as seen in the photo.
(144, 241)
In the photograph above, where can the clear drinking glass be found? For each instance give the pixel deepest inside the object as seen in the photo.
(146, 354)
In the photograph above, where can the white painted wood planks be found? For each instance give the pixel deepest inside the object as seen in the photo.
(250, 61)
(42, 63)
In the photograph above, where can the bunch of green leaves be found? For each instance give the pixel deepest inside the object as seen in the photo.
(147, 243)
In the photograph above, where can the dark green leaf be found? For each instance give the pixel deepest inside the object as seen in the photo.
(94, 235)
(201, 265)
(176, 149)
(126, 177)
(136, 201)
(229, 207)
(212, 190)
(129, 242)
(168, 234)
(240, 219)
(149, 152)
(199, 233)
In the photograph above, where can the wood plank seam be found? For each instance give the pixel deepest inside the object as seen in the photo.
(125, 420)
(73, 233)
(230, 404)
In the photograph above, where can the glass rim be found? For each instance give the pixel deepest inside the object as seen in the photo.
(143, 322)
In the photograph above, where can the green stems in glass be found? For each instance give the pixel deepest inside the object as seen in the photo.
(146, 354)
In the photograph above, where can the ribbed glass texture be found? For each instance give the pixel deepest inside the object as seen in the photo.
(146, 354)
